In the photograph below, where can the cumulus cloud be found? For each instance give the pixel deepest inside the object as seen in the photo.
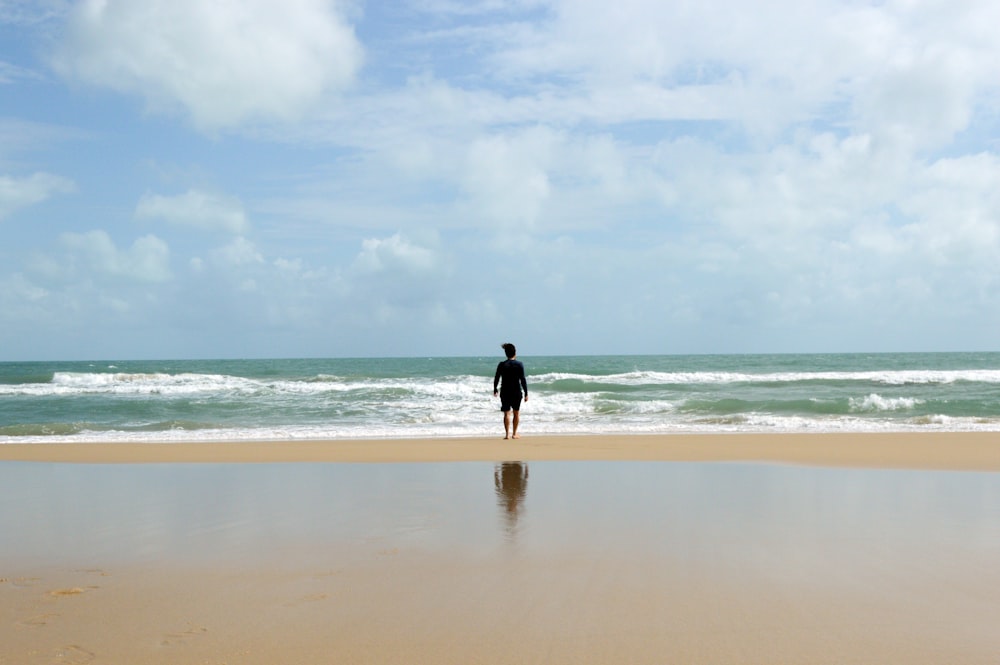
(17, 289)
(907, 71)
(394, 283)
(507, 175)
(195, 208)
(147, 260)
(17, 193)
(768, 176)
(224, 62)
(394, 254)
(954, 208)
(240, 252)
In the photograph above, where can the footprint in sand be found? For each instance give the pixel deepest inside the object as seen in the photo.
(311, 598)
(73, 655)
(93, 571)
(38, 620)
(329, 573)
(72, 591)
(24, 582)
(183, 638)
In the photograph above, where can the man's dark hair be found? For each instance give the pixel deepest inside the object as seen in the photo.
(509, 349)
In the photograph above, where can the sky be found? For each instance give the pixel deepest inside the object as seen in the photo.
(351, 178)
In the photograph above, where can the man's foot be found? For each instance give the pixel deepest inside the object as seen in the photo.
(516, 436)
(507, 437)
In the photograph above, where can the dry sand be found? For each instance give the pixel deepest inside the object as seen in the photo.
(378, 603)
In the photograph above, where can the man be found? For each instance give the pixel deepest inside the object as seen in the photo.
(512, 373)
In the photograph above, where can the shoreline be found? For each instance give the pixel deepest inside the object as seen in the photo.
(958, 451)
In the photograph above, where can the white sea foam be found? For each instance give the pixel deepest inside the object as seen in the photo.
(93, 383)
(118, 383)
(875, 402)
(888, 377)
(326, 405)
(446, 426)
(146, 383)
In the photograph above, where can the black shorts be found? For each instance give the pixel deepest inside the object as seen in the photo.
(508, 402)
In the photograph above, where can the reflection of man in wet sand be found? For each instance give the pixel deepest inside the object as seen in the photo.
(512, 373)
(511, 482)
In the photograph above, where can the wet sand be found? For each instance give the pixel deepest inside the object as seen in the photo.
(714, 549)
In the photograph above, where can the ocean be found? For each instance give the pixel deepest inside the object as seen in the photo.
(276, 399)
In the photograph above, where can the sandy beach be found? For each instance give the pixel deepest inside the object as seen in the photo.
(943, 451)
(606, 549)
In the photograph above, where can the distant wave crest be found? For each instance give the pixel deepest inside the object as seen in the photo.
(875, 402)
(887, 377)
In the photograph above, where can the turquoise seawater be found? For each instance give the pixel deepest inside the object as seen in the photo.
(193, 400)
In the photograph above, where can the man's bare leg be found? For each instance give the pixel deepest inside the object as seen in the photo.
(506, 424)
(517, 419)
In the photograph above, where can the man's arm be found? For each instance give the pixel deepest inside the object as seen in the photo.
(496, 378)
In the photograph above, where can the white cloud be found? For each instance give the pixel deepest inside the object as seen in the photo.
(394, 254)
(924, 100)
(17, 193)
(507, 176)
(240, 252)
(147, 260)
(693, 176)
(911, 71)
(18, 289)
(30, 12)
(19, 135)
(955, 208)
(225, 62)
(195, 208)
(10, 73)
